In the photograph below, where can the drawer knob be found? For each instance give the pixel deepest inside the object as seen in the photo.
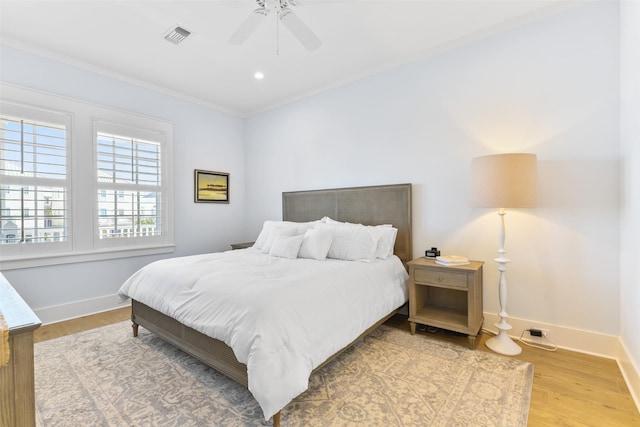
(439, 278)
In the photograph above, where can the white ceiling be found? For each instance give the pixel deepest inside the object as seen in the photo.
(125, 39)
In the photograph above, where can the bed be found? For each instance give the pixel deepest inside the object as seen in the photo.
(371, 206)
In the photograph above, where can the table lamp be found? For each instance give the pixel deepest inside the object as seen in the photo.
(504, 181)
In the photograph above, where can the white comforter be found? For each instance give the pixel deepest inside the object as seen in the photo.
(281, 317)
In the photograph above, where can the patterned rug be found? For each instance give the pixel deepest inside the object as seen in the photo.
(105, 377)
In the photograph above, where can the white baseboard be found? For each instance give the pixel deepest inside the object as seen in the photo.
(60, 313)
(631, 373)
(564, 337)
(594, 343)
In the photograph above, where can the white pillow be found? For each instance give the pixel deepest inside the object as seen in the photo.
(387, 241)
(286, 247)
(328, 220)
(267, 227)
(316, 244)
(304, 226)
(275, 234)
(270, 226)
(352, 242)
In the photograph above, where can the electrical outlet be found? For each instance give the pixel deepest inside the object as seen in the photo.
(537, 336)
(538, 332)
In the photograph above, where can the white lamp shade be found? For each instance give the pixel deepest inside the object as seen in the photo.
(504, 181)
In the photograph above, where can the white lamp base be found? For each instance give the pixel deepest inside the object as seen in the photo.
(503, 344)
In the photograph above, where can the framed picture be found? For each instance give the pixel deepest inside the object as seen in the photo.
(211, 187)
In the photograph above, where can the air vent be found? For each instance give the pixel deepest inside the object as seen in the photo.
(176, 34)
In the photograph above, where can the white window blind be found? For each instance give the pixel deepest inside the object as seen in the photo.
(129, 184)
(34, 181)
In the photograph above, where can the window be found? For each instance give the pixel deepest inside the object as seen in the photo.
(80, 182)
(129, 178)
(34, 180)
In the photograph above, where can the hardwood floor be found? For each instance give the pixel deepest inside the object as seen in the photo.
(80, 324)
(569, 389)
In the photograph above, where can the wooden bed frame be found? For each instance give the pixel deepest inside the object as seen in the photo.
(386, 204)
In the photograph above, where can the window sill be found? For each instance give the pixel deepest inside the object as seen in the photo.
(41, 260)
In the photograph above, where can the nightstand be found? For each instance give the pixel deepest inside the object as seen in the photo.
(244, 245)
(447, 297)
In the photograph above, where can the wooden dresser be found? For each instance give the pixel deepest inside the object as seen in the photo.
(17, 399)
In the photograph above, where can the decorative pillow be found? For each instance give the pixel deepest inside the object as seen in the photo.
(286, 247)
(352, 242)
(387, 241)
(316, 244)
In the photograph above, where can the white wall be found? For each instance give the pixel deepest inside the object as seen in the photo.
(630, 206)
(204, 138)
(550, 87)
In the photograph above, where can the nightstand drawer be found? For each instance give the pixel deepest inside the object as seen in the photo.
(445, 278)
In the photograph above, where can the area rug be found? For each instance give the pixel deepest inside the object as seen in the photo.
(105, 377)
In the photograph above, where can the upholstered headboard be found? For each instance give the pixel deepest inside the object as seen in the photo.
(375, 205)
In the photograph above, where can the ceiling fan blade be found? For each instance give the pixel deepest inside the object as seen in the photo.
(299, 29)
(248, 26)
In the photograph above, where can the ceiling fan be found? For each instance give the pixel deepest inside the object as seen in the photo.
(285, 15)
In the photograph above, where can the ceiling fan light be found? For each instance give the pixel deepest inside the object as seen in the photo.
(259, 75)
(281, 7)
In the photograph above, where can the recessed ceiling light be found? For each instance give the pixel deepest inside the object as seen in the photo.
(259, 75)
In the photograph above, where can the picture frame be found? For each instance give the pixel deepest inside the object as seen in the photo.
(210, 186)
